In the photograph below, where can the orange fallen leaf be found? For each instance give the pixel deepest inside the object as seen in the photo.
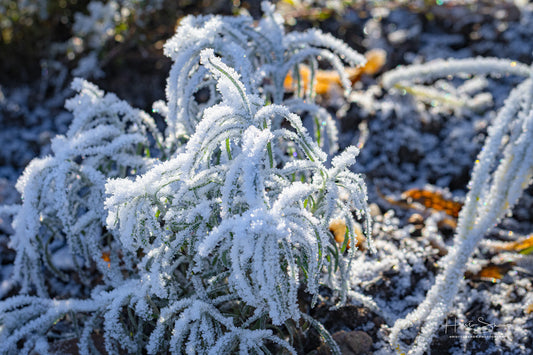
(434, 200)
(524, 245)
(106, 258)
(325, 79)
(492, 272)
(529, 308)
(339, 230)
(428, 199)
(375, 60)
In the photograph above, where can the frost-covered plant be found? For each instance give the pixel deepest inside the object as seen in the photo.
(63, 194)
(263, 55)
(204, 252)
(227, 209)
(503, 169)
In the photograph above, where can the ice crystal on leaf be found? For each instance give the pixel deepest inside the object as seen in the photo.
(203, 250)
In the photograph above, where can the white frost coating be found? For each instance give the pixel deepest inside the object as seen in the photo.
(503, 169)
(63, 194)
(228, 81)
(315, 37)
(443, 67)
(250, 232)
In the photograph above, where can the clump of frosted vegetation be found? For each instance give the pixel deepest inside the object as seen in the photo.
(198, 239)
(63, 194)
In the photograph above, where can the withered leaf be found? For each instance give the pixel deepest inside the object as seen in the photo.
(326, 79)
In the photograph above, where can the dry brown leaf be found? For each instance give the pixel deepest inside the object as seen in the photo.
(447, 222)
(428, 199)
(492, 272)
(376, 59)
(338, 228)
(519, 246)
(106, 257)
(326, 79)
(434, 200)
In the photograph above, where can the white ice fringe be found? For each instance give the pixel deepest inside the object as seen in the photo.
(265, 230)
(443, 67)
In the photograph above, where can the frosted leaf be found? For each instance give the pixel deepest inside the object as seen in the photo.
(444, 67)
(228, 81)
(315, 37)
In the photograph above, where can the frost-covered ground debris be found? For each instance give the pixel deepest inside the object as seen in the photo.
(491, 192)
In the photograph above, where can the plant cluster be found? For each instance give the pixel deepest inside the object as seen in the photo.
(198, 239)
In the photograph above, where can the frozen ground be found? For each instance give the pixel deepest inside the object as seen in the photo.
(408, 144)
